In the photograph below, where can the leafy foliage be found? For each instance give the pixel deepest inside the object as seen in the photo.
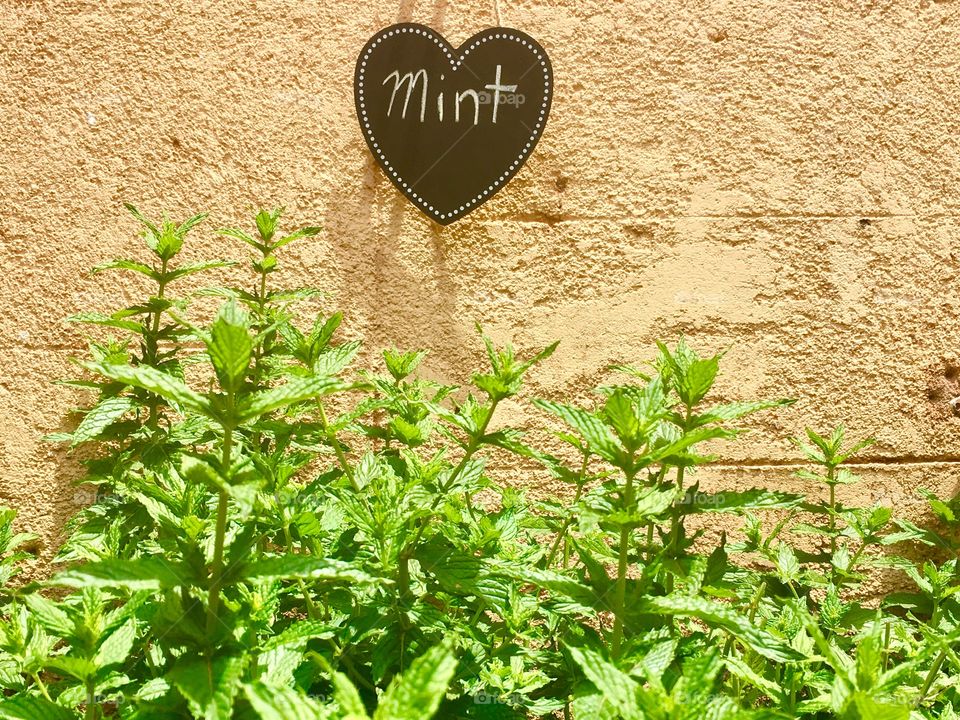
(280, 534)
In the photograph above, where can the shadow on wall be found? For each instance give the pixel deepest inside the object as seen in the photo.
(66, 496)
(399, 306)
(405, 13)
(408, 305)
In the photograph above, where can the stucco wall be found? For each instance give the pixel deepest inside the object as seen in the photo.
(780, 178)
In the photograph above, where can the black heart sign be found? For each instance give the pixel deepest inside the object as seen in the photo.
(451, 126)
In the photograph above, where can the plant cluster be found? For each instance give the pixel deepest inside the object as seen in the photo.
(278, 534)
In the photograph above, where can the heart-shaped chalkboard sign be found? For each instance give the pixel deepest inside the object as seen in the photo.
(451, 126)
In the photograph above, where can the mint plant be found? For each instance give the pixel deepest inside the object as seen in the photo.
(281, 531)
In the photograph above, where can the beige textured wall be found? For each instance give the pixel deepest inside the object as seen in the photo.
(777, 177)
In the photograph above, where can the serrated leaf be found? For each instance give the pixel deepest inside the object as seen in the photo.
(75, 667)
(299, 632)
(267, 223)
(619, 411)
(745, 673)
(277, 666)
(696, 379)
(581, 597)
(401, 364)
(193, 268)
(209, 685)
(335, 359)
(418, 692)
(126, 265)
(140, 216)
(117, 645)
(100, 417)
(58, 437)
(862, 705)
(153, 689)
(294, 391)
(230, 346)
(155, 381)
(597, 435)
(271, 702)
(346, 695)
(651, 502)
(717, 615)
(464, 574)
(616, 686)
(243, 237)
(667, 451)
(856, 448)
(188, 224)
(788, 567)
(301, 233)
(137, 574)
(49, 615)
(33, 708)
(94, 318)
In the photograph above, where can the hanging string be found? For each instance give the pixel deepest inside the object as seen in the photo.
(496, 12)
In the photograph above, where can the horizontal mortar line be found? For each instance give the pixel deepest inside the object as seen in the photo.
(801, 216)
(870, 463)
(547, 219)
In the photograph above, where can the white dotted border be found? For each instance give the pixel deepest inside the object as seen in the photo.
(365, 121)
